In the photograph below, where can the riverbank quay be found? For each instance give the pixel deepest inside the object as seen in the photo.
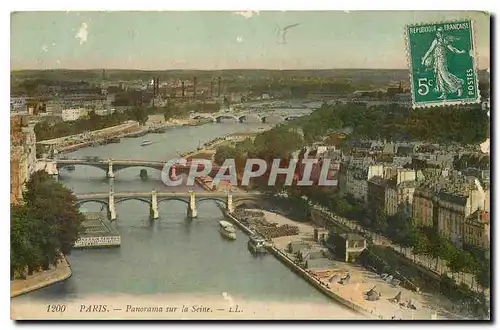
(325, 273)
(77, 141)
(297, 269)
(41, 279)
(420, 261)
(393, 300)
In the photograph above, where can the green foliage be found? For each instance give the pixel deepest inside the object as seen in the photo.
(48, 222)
(483, 275)
(45, 131)
(467, 125)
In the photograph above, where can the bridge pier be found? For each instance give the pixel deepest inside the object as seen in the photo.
(153, 212)
(230, 207)
(192, 212)
(110, 173)
(111, 206)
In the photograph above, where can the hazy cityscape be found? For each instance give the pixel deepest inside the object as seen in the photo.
(403, 233)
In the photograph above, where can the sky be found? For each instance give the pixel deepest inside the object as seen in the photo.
(223, 40)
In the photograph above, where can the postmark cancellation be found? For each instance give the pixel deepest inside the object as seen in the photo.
(442, 63)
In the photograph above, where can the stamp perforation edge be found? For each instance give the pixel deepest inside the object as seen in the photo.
(433, 104)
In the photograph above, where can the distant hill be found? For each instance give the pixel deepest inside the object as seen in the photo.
(355, 76)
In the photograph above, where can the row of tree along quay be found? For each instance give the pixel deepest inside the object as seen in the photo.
(46, 131)
(44, 226)
(446, 125)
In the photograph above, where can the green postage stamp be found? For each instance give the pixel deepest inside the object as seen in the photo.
(442, 63)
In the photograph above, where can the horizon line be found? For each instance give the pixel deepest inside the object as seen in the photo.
(208, 70)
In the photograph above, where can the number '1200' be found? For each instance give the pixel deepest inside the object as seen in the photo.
(56, 308)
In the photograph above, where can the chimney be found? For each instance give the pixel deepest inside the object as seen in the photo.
(154, 90)
(194, 88)
(182, 89)
(218, 91)
(211, 88)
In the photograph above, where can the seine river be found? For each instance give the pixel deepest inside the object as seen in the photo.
(172, 255)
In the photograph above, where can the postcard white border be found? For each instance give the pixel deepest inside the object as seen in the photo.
(8, 6)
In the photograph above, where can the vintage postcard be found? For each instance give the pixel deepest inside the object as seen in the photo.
(259, 165)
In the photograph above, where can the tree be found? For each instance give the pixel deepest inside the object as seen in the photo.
(483, 275)
(421, 243)
(443, 248)
(140, 115)
(25, 250)
(55, 205)
(46, 224)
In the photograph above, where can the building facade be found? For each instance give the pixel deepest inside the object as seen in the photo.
(73, 114)
(424, 204)
(22, 155)
(477, 229)
(453, 210)
(393, 192)
(354, 176)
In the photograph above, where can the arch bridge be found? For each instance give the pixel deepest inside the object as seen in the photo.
(111, 166)
(241, 118)
(230, 200)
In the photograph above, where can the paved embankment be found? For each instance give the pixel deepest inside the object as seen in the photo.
(41, 279)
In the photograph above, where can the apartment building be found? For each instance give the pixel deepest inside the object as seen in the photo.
(455, 205)
(354, 176)
(393, 192)
(477, 229)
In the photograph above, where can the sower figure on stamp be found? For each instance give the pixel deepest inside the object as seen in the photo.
(435, 57)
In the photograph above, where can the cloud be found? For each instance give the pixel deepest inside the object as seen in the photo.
(240, 39)
(82, 33)
(247, 14)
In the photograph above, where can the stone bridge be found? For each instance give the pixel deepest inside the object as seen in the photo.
(111, 166)
(230, 200)
(217, 118)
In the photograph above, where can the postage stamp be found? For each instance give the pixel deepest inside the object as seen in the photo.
(442, 63)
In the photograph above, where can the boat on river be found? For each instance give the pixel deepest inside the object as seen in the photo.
(227, 230)
(146, 143)
(257, 244)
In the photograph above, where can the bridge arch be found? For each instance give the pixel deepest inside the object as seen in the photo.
(120, 167)
(124, 199)
(278, 118)
(244, 118)
(100, 201)
(226, 116)
(238, 202)
(214, 199)
(205, 117)
(179, 199)
(103, 166)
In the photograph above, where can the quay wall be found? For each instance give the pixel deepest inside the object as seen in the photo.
(41, 279)
(301, 272)
(247, 230)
